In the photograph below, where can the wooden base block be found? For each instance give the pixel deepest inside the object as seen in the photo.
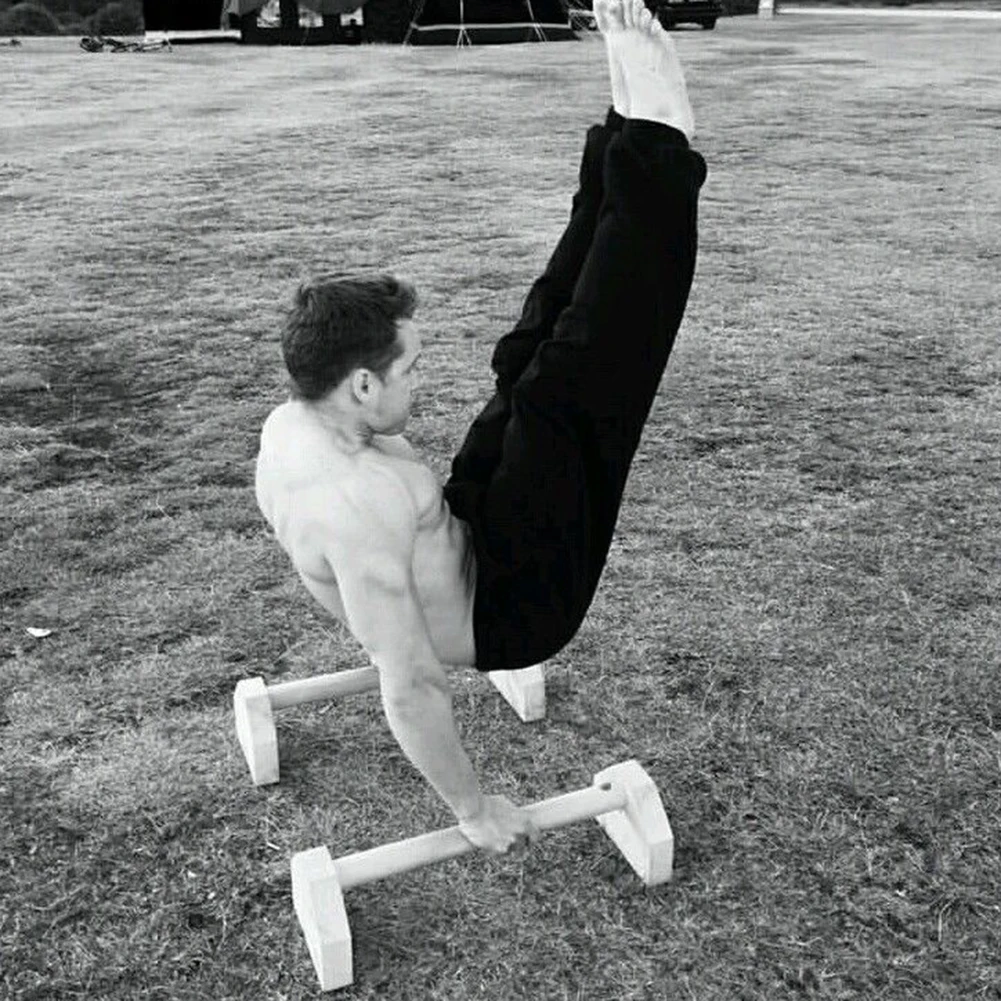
(255, 729)
(525, 691)
(641, 831)
(319, 906)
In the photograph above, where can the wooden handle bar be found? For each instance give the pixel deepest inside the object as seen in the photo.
(323, 686)
(437, 846)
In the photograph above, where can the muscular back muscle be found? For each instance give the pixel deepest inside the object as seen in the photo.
(342, 518)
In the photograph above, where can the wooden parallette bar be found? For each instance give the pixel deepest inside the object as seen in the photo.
(254, 704)
(623, 799)
(323, 686)
(437, 846)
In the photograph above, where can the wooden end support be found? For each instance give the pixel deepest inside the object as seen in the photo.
(524, 690)
(319, 906)
(255, 730)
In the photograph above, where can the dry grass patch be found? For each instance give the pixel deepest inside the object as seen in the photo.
(797, 632)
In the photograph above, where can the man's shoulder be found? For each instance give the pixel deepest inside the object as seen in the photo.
(361, 503)
(341, 500)
(281, 427)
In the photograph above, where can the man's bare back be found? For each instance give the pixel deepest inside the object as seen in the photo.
(311, 491)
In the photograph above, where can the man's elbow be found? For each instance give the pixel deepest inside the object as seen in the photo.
(410, 694)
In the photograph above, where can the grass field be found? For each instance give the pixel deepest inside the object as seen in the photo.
(798, 630)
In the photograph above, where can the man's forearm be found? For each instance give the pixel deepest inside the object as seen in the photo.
(424, 727)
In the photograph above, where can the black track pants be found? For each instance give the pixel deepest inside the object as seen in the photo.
(540, 476)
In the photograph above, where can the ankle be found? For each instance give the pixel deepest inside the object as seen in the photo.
(662, 131)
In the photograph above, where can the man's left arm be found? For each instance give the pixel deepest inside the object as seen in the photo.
(370, 548)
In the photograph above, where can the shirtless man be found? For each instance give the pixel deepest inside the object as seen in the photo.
(496, 570)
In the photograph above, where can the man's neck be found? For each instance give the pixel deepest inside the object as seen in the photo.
(346, 433)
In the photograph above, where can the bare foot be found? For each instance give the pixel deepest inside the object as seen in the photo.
(651, 70)
(608, 15)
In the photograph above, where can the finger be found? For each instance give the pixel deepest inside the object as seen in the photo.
(502, 847)
(507, 846)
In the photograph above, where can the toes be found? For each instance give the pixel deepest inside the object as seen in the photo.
(600, 8)
(616, 16)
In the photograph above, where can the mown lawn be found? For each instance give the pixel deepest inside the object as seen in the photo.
(798, 631)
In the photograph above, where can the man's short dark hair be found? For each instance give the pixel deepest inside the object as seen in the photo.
(338, 324)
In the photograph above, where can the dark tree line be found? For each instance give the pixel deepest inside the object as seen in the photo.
(55, 17)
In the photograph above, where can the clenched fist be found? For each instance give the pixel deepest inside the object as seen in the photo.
(498, 825)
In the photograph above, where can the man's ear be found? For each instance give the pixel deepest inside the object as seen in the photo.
(361, 384)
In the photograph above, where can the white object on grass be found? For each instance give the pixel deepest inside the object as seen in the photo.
(254, 704)
(623, 799)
